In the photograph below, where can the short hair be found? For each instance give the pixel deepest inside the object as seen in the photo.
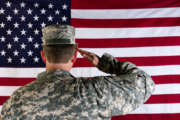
(59, 53)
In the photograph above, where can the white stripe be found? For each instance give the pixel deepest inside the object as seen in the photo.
(94, 33)
(137, 51)
(160, 89)
(86, 71)
(157, 108)
(125, 13)
(154, 108)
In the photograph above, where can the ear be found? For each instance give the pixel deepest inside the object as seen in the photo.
(74, 57)
(43, 56)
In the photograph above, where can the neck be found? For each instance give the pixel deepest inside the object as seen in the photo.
(62, 66)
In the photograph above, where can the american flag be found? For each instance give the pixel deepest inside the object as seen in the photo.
(146, 33)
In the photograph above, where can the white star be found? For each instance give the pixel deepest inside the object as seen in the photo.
(16, 25)
(2, 11)
(36, 32)
(36, 59)
(23, 32)
(3, 53)
(23, 46)
(29, 11)
(43, 11)
(57, 12)
(9, 60)
(23, 60)
(64, 18)
(16, 53)
(9, 46)
(16, 39)
(3, 39)
(50, 6)
(16, 11)
(9, 32)
(8, 4)
(43, 25)
(30, 53)
(64, 7)
(30, 25)
(30, 39)
(50, 18)
(36, 18)
(23, 18)
(36, 45)
(22, 4)
(36, 5)
(2, 25)
(9, 18)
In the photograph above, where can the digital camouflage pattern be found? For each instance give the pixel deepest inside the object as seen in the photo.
(57, 95)
(58, 34)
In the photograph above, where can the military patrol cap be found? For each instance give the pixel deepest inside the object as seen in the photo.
(58, 34)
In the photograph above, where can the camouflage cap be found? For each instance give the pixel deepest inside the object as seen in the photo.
(58, 34)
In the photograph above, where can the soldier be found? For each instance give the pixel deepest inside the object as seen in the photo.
(58, 95)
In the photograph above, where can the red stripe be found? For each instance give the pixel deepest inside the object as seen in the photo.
(174, 116)
(123, 4)
(139, 61)
(160, 99)
(15, 81)
(166, 79)
(154, 99)
(125, 23)
(128, 42)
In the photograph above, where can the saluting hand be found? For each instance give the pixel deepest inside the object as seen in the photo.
(93, 58)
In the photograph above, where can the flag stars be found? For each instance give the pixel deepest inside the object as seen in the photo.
(15, 11)
(22, 5)
(36, 5)
(43, 25)
(64, 18)
(50, 18)
(57, 12)
(16, 53)
(43, 11)
(16, 25)
(29, 11)
(36, 59)
(30, 39)
(2, 25)
(8, 18)
(8, 4)
(23, 60)
(16, 39)
(3, 53)
(50, 6)
(9, 60)
(9, 46)
(2, 11)
(64, 7)
(23, 46)
(30, 53)
(3, 39)
(30, 25)
(36, 45)
(23, 32)
(36, 18)
(36, 32)
(9, 32)
(23, 18)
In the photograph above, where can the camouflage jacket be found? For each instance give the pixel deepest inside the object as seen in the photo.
(57, 95)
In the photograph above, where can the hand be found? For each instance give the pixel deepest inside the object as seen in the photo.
(93, 58)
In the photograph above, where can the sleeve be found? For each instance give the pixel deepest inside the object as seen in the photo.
(125, 90)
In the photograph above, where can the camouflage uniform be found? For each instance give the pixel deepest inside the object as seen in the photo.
(58, 95)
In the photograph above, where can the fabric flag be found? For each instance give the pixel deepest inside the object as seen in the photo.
(146, 33)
